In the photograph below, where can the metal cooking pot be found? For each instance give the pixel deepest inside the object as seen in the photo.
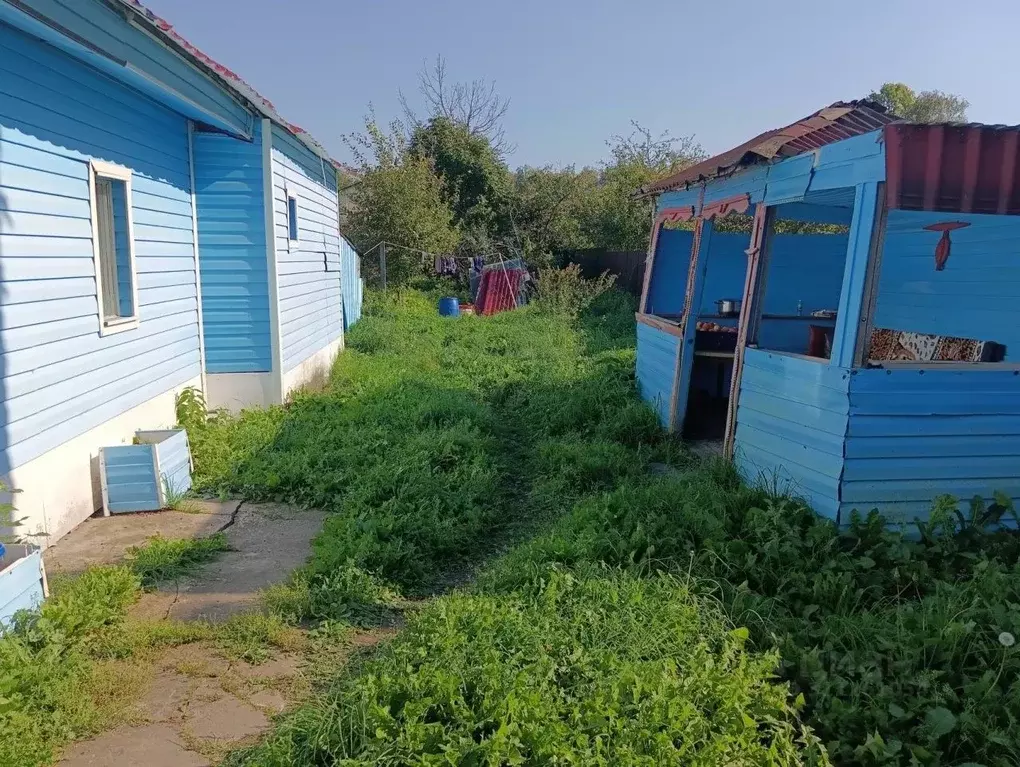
(728, 307)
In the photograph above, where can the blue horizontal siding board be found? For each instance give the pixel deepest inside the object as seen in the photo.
(656, 368)
(229, 201)
(314, 317)
(60, 377)
(791, 422)
(20, 585)
(788, 180)
(915, 435)
(678, 199)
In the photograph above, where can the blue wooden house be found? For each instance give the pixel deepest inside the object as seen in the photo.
(869, 355)
(161, 226)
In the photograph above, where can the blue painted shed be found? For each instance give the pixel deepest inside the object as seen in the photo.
(873, 363)
(161, 227)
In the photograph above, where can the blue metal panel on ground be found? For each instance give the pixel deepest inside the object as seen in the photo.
(130, 478)
(60, 378)
(174, 460)
(791, 423)
(916, 434)
(350, 283)
(21, 585)
(656, 367)
(232, 253)
(974, 296)
(311, 305)
(669, 272)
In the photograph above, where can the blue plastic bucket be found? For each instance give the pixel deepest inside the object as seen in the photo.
(449, 307)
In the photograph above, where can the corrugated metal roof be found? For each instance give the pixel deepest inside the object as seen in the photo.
(165, 31)
(836, 122)
(953, 167)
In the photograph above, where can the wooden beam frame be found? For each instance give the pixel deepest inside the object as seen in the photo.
(682, 213)
(861, 244)
(700, 247)
(761, 239)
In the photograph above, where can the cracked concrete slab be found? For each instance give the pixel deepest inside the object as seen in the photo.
(226, 719)
(267, 542)
(105, 540)
(152, 745)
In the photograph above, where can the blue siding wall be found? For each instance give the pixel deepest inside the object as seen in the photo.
(232, 252)
(791, 424)
(914, 435)
(149, 61)
(350, 282)
(656, 368)
(311, 310)
(60, 378)
(669, 272)
(973, 297)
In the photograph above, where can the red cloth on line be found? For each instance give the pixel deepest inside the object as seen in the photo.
(498, 290)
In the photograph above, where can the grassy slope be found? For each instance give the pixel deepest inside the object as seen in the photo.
(601, 628)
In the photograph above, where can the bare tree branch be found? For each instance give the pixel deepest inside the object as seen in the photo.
(476, 105)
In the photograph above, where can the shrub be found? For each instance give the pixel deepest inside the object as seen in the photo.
(50, 691)
(565, 292)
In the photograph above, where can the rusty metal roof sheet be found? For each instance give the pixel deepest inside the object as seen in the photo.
(836, 122)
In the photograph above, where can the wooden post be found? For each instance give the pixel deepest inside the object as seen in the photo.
(761, 236)
(861, 241)
(382, 264)
(700, 247)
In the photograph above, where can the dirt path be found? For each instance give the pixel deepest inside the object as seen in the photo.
(199, 703)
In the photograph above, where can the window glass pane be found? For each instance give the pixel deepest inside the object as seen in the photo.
(292, 222)
(114, 248)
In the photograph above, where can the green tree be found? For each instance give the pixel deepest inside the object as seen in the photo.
(612, 218)
(924, 106)
(396, 197)
(475, 180)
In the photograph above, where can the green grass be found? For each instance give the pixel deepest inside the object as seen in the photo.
(165, 560)
(617, 617)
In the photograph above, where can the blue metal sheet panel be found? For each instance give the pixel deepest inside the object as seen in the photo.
(130, 478)
(791, 424)
(350, 282)
(311, 304)
(20, 584)
(175, 463)
(917, 434)
(59, 377)
(669, 272)
(232, 253)
(965, 299)
(656, 367)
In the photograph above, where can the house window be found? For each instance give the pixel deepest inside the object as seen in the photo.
(292, 219)
(113, 247)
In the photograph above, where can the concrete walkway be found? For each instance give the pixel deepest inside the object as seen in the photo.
(200, 704)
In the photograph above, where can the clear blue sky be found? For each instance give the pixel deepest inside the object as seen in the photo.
(577, 72)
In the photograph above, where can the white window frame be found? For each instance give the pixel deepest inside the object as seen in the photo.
(99, 169)
(289, 195)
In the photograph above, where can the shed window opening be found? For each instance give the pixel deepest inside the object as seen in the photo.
(801, 278)
(114, 248)
(292, 218)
